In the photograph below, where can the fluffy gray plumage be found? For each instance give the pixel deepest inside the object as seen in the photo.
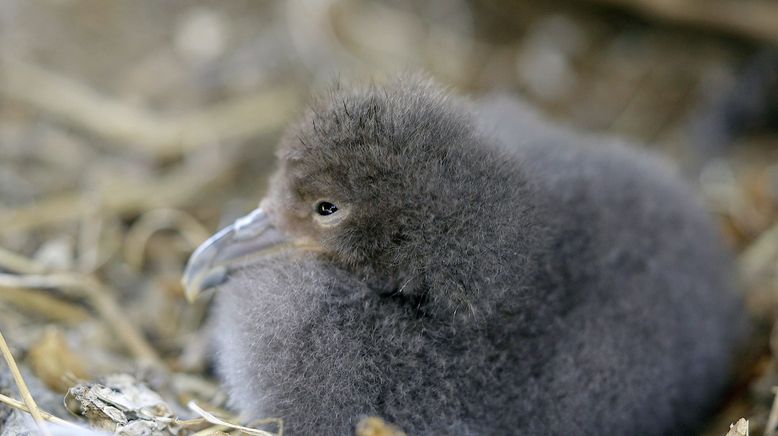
(494, 276)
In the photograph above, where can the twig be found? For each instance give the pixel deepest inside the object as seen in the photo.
(45, 304)
(13, 262)
(16, 404)
(22, 387)
(100, 297)
(252, 431)
(188, 422)
(54, 280)
(214, 429)
(132, 127)
(153, 221)
(90, 229)
(753, 19)
(122, 196)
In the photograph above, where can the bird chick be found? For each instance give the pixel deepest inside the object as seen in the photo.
(410, 263)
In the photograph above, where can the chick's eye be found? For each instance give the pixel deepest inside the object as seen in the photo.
(325, 208)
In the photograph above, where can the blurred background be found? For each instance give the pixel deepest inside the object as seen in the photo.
(131, 130)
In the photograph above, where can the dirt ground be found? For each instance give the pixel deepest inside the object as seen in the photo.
(131, 130)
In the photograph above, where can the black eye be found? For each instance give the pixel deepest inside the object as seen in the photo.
(325, 208)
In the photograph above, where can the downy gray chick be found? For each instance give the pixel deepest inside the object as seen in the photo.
(409, 262)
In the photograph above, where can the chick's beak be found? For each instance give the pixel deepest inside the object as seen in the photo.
(236, 245)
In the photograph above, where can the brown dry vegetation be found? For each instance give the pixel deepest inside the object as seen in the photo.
(129, 131)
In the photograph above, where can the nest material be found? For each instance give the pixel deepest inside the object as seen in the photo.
(114, 167)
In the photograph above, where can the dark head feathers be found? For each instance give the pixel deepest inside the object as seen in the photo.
(408, 161)
(391, 115)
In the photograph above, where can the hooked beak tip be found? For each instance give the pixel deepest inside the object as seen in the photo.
(195, 281)
(210, 264)
(190, 293)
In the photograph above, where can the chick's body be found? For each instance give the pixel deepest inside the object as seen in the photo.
(524, 280)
